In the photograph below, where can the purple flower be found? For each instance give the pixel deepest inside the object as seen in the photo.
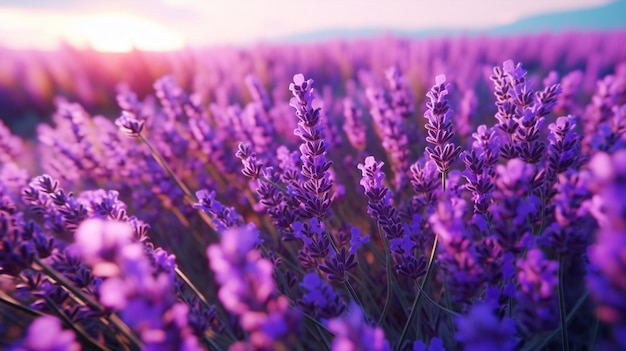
(609, 188)
(247, 287)
(611, 135)
(515, 177)
(482, 330)
(426, 181)
(401, 100)
(439, 126)
(356, 239)
(479, 181)
(164, 260)
(537, 307)
(315, 194)
(337, 265)
(406, 262)
(281, 206)
(388, 114)
(379, 205)
(10, 145)
(520, 113)
(372, 174)
(12, 179)
(223, 217)
(388, 218)
(528, 111)
(467, 111)
(606, 274)
(566, 101)
(319, 299)
(569, 232)
(436, 344)
(516, 203)
(354, 127)
(258, 92)
(251, 166)
(258, 128)
(302, 91)
(45, 334)
(352, 333)
(487, 141)
(312, 234)
(457, 254)
(129, 124)
(600, 110)
(563, 149)
(100, 241)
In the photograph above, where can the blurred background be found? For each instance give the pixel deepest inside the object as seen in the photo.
(162, 25)
(83, 50)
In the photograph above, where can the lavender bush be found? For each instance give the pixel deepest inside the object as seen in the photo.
(427, 204)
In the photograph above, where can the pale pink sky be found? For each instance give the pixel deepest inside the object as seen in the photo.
(116, 25)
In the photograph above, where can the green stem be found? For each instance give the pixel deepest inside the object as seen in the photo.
(61, 280)
(562, 308)
(190, 284)
(166, 167)
(431, 300)
(77, 330)
(570, 316)
(200, 296)
(212, 344)
(353, 294)
(594, 333)
(346, 283)
(429, 269)
(317, 323)
(8, 300)
(280, 188)
(191, 198)
(510, 307)
(389, 273)
(323, 337)
(419, 294)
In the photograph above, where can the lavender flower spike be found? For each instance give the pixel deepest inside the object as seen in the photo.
(537, 301)
(481, 330)
(129, 124)
(315, 194)
(606, 276)
(100, 241)
(248, 290)
(352, 333)
(320, 300)
(45, 334)
(372, 174)
(439, 126)
(379, 196)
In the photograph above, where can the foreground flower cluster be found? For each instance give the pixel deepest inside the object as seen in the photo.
(489, 217)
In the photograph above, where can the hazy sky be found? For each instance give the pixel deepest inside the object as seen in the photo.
(116, 25)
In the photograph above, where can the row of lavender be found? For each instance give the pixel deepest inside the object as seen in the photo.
(338, 222)
(29, 80)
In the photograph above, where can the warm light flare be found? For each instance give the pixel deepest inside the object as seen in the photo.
(122, 33)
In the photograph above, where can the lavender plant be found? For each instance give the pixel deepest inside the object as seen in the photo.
(244, 216)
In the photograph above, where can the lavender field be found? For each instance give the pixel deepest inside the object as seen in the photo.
(378, 194)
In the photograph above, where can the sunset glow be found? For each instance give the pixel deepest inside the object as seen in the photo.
(122, 33)
(119, 26)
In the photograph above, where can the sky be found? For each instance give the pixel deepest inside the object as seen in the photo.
(160, 25)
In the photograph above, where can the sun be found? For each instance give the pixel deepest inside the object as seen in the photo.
(121, 33)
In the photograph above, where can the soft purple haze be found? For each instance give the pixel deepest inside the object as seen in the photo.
(172, 24)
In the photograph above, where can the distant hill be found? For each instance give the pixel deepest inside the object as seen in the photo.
(608, 17)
